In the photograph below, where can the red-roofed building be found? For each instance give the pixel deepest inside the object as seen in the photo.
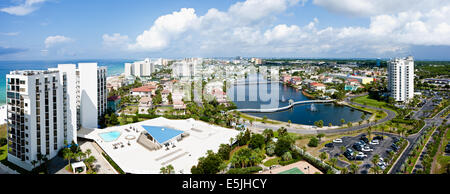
(143, 91)
(317, 86)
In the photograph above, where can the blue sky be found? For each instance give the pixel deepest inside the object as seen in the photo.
(82, 29)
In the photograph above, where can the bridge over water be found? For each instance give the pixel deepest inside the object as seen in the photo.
(255, 82)
(291, 104)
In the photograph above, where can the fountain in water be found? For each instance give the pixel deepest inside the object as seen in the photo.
(313, 108)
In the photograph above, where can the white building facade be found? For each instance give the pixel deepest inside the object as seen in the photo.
(140, 68)
(401, 78)
(43, 111)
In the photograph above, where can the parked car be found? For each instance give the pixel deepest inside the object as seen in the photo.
(358, 146)
(396, 139)
(365, 140)
(367, 149)
(361, 154)
(395, 147)
(329, 145)
(337, 141)
(359, 157)
(349, 154)
(374, 142)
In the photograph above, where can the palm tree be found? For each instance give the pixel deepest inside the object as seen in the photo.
(323, 156)
(333, 162)
(170, 169)
(68, 155)
(344, 170)
(354, 168)
(163, 170)
(375, 169)
(89, 161)
(88, 152)
(289, 122)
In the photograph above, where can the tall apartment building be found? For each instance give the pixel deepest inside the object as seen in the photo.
(140, 68)
(401, 78)
(45, 111)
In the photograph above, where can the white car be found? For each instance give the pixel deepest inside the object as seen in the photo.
(337, 141)
(360, 154)
(374, 142)
(367, 149)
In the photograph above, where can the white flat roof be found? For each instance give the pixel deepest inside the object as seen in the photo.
(136, 159)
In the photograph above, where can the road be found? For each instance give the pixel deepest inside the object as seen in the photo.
(435, 121)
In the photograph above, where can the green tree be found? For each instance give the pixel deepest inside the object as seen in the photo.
(323, 156)
(354, 168)
(313, 142)
(342, 121)
(283, 145)
(256, 141)
(268, 134)
(224, 151)
(320, 136)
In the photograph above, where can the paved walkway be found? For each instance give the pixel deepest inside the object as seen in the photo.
(102, 166)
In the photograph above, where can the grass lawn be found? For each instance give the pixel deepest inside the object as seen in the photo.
(365, 100)
(273, 161)
(249, 117)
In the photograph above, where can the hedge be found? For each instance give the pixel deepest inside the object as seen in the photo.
(247, 170)
(113, 164)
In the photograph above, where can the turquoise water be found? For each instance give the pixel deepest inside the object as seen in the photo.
(110, 136)
(115, 67)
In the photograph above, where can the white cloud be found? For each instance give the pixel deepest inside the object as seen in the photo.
(25, 8)
(9, 33)
(115, 40)
(56, 40)
(251, 28)
(378, 7)
(165, 29)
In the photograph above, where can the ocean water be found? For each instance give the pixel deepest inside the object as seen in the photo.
(115, 67)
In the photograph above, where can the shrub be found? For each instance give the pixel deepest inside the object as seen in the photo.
(287, 156)
(270, 149)
(313, 142)
(247, 170)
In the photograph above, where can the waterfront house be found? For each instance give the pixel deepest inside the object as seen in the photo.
(314, 86)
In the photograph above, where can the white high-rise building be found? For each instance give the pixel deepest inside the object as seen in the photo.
(140, 68)
(401, 78)
(44, 109)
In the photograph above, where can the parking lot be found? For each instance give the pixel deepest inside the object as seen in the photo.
(348, 142)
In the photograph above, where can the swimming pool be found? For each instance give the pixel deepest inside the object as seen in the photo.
(110, 136)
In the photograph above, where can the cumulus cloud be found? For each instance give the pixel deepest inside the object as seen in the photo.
(25, 8)
(251, 28)
(56, 40)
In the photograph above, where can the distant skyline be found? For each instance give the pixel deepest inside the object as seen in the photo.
(133, 29)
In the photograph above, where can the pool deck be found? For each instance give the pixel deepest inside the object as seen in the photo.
(136, 159)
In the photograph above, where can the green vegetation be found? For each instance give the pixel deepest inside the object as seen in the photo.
(417, 150)
(273, 161)
(113, 164)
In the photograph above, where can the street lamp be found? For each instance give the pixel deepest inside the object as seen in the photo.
(307, 168)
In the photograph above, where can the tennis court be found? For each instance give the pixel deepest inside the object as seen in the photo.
(292, 171)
